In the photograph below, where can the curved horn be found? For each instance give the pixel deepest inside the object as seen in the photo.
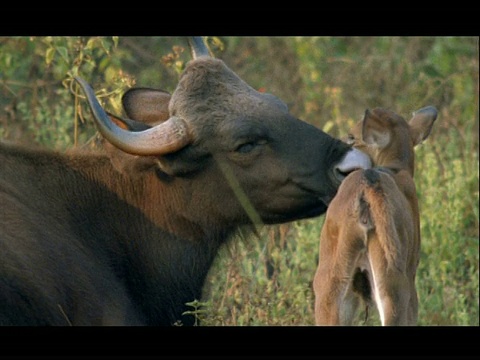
(167, 137)
(198, 47)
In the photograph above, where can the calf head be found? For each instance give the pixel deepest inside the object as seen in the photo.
(389, 139)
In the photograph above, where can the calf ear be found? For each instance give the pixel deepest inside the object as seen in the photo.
(375, 130)
(421, 123)
(149, 106)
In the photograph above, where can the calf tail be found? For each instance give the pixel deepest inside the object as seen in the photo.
(376, 214)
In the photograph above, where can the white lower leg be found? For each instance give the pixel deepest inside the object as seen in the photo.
(378, 299)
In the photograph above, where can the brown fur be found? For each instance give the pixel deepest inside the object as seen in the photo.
(370, 242)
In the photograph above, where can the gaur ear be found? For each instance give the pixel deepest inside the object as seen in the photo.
(128, 124)
(123, 162)
(149, 106)
(375, 131)
(421, 123)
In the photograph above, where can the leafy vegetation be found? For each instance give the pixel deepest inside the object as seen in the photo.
(327, 81)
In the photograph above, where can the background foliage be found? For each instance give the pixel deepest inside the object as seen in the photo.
(327, 81)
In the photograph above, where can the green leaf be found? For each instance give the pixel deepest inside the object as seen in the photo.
(74, 70)
(194, 303)
(8, 60)
(328, 126)
(49, 55)
(105, 45)
(90, 44)
(63, 53)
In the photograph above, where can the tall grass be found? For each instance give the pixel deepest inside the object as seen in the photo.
(448, 273)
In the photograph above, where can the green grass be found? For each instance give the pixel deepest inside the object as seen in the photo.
(448, 272)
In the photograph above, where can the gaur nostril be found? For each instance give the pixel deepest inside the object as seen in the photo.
(340, 175)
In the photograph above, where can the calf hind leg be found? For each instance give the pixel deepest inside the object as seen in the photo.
(391, 292)
(336, 299)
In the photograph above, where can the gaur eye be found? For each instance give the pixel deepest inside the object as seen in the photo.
(245, 148)
(249, 146)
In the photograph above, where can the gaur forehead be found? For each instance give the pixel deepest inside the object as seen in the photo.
(208, 88)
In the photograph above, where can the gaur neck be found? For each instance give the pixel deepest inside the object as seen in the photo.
(161, 255)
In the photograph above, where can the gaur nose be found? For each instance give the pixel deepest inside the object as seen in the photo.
(353, 160)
